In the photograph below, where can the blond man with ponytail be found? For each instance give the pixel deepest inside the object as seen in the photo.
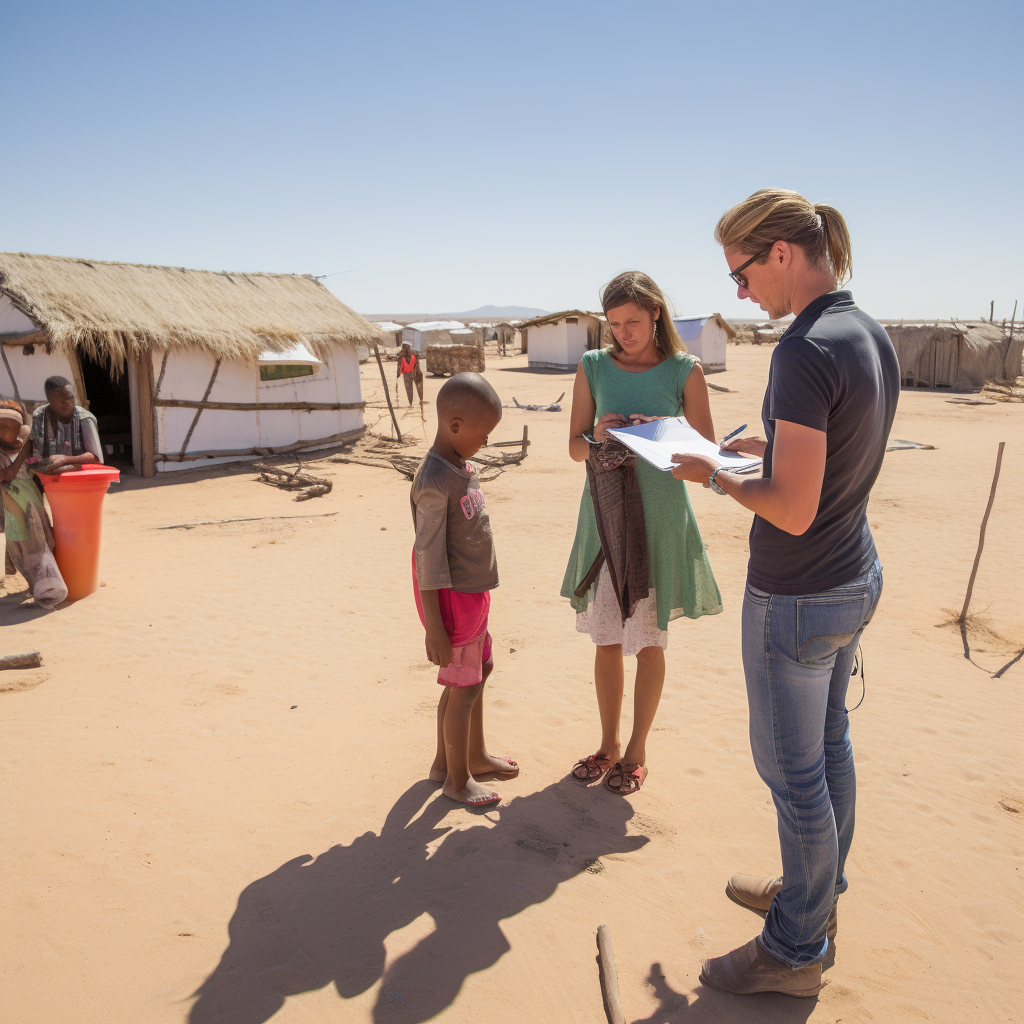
(814, 578)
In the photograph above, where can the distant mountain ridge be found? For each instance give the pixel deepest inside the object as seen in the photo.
(480, 313)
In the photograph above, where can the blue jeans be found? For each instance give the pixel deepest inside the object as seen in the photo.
(797, 657)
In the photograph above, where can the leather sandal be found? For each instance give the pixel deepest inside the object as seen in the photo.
(590, 769)
(625, 778)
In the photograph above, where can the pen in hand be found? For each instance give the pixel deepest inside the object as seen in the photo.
(730, 436)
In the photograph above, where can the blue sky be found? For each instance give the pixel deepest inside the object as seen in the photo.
(454, 154)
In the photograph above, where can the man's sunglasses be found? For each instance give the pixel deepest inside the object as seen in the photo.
(737, 274)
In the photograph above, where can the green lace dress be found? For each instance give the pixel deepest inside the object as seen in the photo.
(680, 573)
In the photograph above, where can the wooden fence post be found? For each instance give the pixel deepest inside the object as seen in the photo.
(981, 539)
(387, 391)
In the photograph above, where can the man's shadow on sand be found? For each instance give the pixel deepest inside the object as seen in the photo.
(716, 1007)
(314, 922)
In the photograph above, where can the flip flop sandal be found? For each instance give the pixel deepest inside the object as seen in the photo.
(477, 801)
(590, 769)
(619, 780)
(500, 776)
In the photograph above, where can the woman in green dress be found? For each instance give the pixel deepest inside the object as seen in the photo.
(645, 374)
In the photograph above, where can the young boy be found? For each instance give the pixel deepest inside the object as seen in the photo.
(454, 570)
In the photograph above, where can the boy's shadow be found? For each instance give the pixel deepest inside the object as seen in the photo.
(317, 921)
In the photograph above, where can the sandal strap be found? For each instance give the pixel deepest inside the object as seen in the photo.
(628, 781)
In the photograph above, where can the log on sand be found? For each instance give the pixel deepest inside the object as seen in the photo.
(33, 659)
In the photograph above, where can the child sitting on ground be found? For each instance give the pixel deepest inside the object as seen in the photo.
(454, 570)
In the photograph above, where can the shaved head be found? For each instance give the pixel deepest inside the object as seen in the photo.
(470, 396)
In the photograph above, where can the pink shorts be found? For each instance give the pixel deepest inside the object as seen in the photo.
(468, 662)
(465, 621)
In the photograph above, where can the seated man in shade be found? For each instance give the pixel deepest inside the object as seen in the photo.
(63, 433)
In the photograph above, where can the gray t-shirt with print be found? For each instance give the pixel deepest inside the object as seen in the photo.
(454, 545)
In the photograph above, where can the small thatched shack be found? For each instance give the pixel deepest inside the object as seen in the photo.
(557, 341)
(185, 365)
(505, 334)
(954, 354)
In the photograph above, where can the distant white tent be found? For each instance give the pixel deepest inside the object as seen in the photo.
(392, 333)
(705, 336)
(557, 341)
(466, 336)
(430, 332)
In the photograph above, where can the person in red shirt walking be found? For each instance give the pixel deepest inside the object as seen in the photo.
(410, 371)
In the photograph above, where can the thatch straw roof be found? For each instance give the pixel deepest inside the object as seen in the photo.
(110, 310)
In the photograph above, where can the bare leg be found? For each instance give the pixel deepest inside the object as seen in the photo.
(609, 682)
(460, 784)
(650, 679)
(439, 769)
(480, 762)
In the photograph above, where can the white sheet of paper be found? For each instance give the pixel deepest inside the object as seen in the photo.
(658, 441)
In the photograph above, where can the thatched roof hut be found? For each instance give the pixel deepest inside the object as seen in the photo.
(110, 311)
(954, 354)
(557, 341)
(161, 335)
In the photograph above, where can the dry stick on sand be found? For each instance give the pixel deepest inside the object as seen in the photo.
(309, 486)
(246, 519)
(977, 558)
(609, 979)
(31, 660)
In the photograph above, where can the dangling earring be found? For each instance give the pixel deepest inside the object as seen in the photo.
(655, 332)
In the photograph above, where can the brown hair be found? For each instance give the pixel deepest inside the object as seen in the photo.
(635, 286)
(773, 215)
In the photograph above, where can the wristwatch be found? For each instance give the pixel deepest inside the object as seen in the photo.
(712, 483)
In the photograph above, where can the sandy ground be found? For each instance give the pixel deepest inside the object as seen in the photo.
(214, 806)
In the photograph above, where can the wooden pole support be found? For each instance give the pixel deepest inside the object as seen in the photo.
(31, 660)
(981, 539)
(387, 391)
(187, 403)
(199, 410)
(526, 439)
(609, 979)
(14, 384)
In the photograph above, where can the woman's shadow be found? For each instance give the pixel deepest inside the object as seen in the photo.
(314, 922)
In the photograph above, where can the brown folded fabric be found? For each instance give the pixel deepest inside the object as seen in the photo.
(619, 510)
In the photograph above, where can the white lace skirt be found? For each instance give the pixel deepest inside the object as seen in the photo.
(603, 621)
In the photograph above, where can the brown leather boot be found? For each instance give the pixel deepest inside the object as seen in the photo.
(750, 969)
(757, 892)
(754, 891)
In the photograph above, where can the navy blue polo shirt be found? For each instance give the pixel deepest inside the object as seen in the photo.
(834, 370)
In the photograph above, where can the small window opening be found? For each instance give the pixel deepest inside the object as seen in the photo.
(282, 371)
(572, 319)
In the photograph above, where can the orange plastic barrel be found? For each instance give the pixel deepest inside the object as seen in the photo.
(76, 502)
